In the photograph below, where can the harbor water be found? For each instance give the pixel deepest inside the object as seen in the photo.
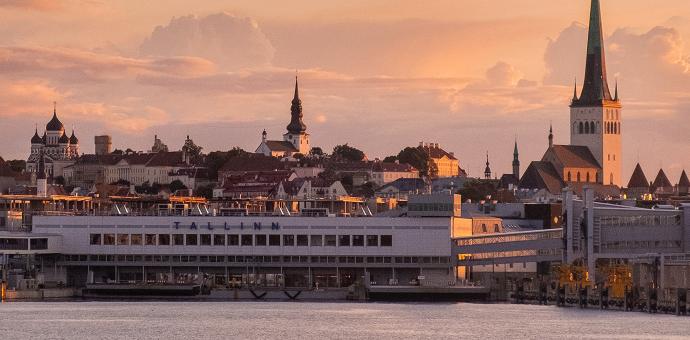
(318, 320)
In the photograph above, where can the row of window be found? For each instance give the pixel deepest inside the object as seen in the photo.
(632, 221)
(258, 259)
(247, 240)
(610, 128)
(626, 245)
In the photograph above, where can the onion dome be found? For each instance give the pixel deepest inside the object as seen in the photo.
(73, 139)
(55, 124)
(44, 138)
(36, 139)
(63, 139)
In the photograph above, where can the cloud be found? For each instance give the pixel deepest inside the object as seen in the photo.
(565, 56)
(230, 41)
(26, 98)
(36, 5)
(79, 65)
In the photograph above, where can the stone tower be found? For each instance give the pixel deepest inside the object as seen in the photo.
(595, 117)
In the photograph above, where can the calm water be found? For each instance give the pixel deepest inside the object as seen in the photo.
(302, 320)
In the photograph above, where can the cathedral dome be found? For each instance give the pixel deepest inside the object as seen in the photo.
(73, 139)
(63, 139)
(55, 124)
(36, 139)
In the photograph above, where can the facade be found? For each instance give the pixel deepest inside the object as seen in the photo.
(139, 168)
(104, 144)
(596, 116)
(306, 251)
(58, 150)
(445, 162)
(377, 172)
(311, 188)
(295, 141)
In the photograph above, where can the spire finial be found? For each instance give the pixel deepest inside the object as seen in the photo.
(550, 134)
(575, 90)
(54, 108)
(616, 91)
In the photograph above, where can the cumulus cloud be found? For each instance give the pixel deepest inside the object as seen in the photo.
(565, 56)
(230, 41)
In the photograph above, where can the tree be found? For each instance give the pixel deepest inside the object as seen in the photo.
(418, 159)
(347, 153)
(368, 189)
(118, 152)
(390, 159)
(193, 151)
(204, 191)
(122, 182)
(176, 185)
(316, 152)
(17, 165)
(215, 160)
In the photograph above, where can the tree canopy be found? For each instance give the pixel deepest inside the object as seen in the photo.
(347, 153)
(418, 159)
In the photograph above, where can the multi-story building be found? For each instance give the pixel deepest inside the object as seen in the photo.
(446, 163)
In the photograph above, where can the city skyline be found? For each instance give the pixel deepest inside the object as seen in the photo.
(459, 80)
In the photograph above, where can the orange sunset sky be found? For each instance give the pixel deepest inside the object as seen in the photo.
(379, 75)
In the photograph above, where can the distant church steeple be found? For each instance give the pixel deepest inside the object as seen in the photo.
(516, 161)
(487, 170)
(550, 135)
(296, 125)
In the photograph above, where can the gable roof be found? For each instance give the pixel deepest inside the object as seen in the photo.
(574, 156)
(542, 175)
(638, 179)
(253, 162)
(661, 181)
(279, 145)
(166, 159)
(684, 182)
(508, 179)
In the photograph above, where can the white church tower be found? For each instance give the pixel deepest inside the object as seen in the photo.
(297, 131)
(595, 117)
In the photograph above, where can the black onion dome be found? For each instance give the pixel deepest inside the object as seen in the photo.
(63, 139)
(73, 139)
(55, 124)
(36, 139)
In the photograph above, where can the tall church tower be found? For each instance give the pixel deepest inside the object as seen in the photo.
(297, 131)
(595, 117)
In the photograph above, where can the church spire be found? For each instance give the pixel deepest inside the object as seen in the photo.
(575, 91)
(296, 125)
(516, 161)
(595, 88)
(550, 135)
(487, 170)
(615, 96)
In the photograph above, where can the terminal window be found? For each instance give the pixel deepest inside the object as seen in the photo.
(372, 240)
(178, 239)
(288, 240)
(386, 240)
(122, 239)
(109, 239)
(358, 240)
(218, 240)
(192, 239)
(316, 240)
(163, 240)
(135, 239)
(302, 240)
(150, 239)
(274, 240)
(260, 240)
(234, 240)
(205, 239)
(329, 240)
(95, 239)
(343, 240)
(247, 240)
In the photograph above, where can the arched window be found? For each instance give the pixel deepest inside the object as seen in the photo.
(615, 128)
(578, 177)
(587, 177)
(586, 128)
(570, 177)
(611, 179)
(581, 128)
(592, 129)
(574, 127)
(619, 128)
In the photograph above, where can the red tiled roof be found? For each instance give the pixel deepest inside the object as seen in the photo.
(575, 156)
(253, 162)
(542, 175)
(166, 159)
(279, 145)
(436, 152)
